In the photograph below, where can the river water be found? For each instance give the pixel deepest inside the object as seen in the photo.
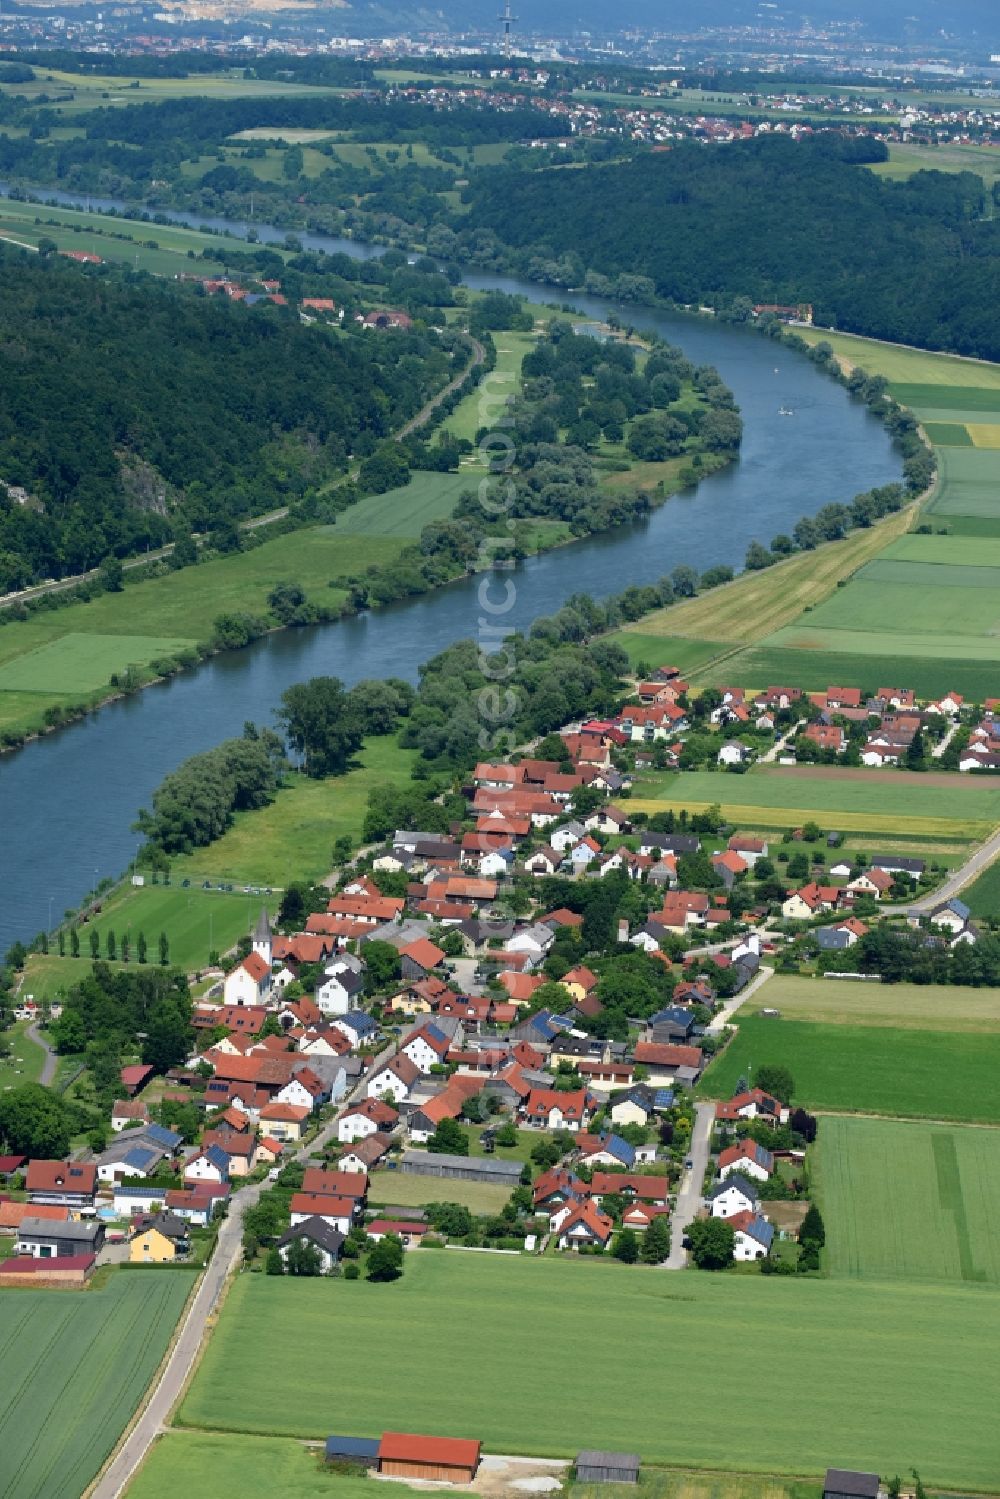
(67, 802)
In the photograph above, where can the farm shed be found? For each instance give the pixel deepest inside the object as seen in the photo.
(361, 1451)
(844, 1483)
(462, 1167)
(440, 1459)
(607, 1467)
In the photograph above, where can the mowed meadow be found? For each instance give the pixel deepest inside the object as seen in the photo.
(904, 1373)
(75, 1366)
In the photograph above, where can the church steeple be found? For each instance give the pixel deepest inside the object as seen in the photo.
(262, 936)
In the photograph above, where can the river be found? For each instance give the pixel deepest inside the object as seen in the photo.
(67, 802)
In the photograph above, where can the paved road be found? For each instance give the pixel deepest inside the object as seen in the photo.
(732, 1005)
(959, 878)
(689, 1198)
(182, 1357)
(51, 1060)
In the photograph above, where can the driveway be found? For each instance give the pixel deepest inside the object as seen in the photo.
(732, 1005)
(689, 1199)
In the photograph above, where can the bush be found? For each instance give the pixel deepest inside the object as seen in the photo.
(352, 1270)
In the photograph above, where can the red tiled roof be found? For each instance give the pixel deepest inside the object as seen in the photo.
(656, 1054)
(255, 966)
(61, 1176)
(424, 952)
(323, 1207)
(322, 1183)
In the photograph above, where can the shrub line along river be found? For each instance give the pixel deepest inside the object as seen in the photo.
(68, 800)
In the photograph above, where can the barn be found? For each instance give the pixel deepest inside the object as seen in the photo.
(440, 1459)
(607, 1467)
(845, 1483)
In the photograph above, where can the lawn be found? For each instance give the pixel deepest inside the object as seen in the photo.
(24, 1065)
(405, 512)
(293, 838)
(204, 1465)
(983, 895)
(917, 1074)
(401, 1189)
(662, 1341)
(196, 921)
(75, 1366)
(924, 1007)
(910, 1201)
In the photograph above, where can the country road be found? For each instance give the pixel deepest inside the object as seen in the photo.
(182, 1357)
(689, 1199)
(974, 865)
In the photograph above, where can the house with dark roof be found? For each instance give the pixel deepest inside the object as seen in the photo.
(320, 1234)
(752, 1236)
(45, 1239)
(843, 1483)
(737, 1194)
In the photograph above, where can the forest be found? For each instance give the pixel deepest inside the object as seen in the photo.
(133, 411)
(763, 220)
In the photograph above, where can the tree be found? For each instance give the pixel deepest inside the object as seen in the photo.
(656, 1241)
(74, 942)
(303, 1258)
(169, 1037)
(95, 943)
(140, 947)
(813, 1230)
(292, 911)
(803, 1124)
(386, 1259)
(449, 1139)
(382, 966)
(626, 1246)
(275, 1264)
(711, 1243)
(507, 1133)
(111, 945)
(777, 1081)
(35, 1122)
(164, 949)
(112, 575)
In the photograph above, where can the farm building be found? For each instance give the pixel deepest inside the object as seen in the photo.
(607, 1467)
(844, 1483)
(359, 1451)
(439, 1459)
(462, 1168)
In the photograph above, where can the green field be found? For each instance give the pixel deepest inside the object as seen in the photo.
(293, 838)
(405, 512)
(816, 669)
(82, 663)
(482, 406)
(666, 650)
(660, 1341)
(907, 367)
(158, 248)
(910, 1201)
(104, 91)
(948, 434)
(75, 1366)
(905, 158)
(916, 1074)
(983, 895)
(930, 1007)
(829, 792)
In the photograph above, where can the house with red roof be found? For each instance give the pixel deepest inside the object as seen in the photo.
(585, 1224)
(547, 1108)
(418, 958)
(394, 1079)
(249, 983)
(71, 1184)
(427, 1047)
(360, 1120)
(754, 1104)
(749, 1159)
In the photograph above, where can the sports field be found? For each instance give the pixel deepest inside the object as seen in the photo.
(81, 663)
(75, 1365)
(909, 1201)
(485, 1319)
(405, 512)
(915, 1074)
(196, 921)
(922, 1007)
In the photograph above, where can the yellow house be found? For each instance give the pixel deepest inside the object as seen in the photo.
(163, 1238)
(406, 1002)
(579, 981)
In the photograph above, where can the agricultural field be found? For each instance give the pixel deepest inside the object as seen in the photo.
(910, 1074)
(905, 366)
(399, 1189)
(79, 91)
(666, 650)
(983, 895)
(933, 1345)
(922, 1007)
(909, 1201)
(815, 669)
(481, 406)
(404, 512)
(906, 158)
(75, 1366)
(84, 662)
(159, 248)
(296, 833)
(849, 800)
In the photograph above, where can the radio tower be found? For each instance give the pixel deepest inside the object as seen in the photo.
(506, 17)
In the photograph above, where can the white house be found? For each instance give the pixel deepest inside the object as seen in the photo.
(338, 1212)
(394, 1080)
(584, 853)
(733, 753)
(748, 1159)
(567, 836)
(426, 1048)
(342, 982)
(209, 1165)
(734, 1195)
(752, 1240)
